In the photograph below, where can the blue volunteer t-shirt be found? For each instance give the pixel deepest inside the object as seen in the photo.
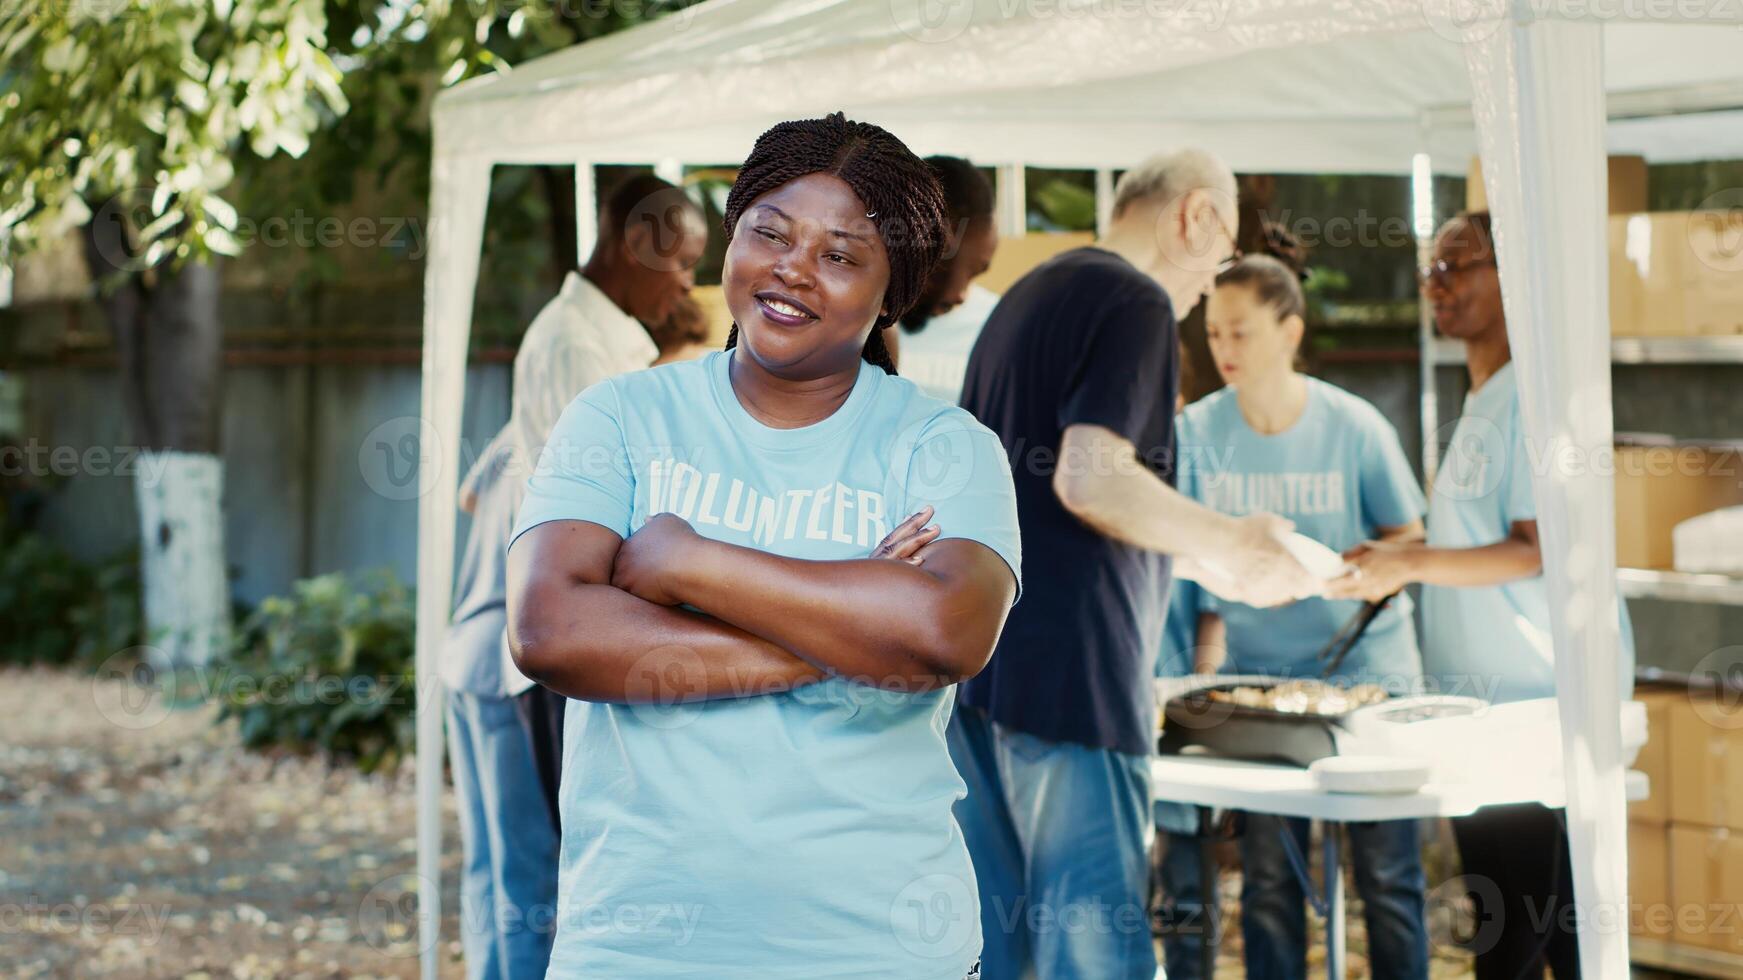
(795, 835)
(1340, 475)
(1186, 601)
(1492, 642)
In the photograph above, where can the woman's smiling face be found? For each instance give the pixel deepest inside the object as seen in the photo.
(805, 277)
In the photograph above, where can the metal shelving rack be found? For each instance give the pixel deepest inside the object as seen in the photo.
(1632, 350)
(1636, 583)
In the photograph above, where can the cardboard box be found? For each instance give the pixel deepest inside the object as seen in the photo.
(1706, 881)
(1016, 256)
(1658, 487)
(1649, 908)
(1712, 273)
(1676, 274)
(1627, 185)
(1655, 755)
(1706, 778)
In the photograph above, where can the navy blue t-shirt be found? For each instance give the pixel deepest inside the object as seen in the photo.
(1084, 338)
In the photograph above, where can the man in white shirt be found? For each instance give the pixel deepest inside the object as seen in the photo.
(642, 267)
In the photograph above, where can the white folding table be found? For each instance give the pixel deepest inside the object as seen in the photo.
(1288, 791)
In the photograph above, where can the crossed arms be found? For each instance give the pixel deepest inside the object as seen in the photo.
(599, 618)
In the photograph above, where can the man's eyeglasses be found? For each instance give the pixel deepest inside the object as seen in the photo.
(1440, 271)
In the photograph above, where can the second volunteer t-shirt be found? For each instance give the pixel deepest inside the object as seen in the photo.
(795, 835)
(1340, 475)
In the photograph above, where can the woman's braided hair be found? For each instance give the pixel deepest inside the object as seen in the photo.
(900, 192)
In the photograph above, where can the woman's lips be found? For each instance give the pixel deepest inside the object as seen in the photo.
(785, 319)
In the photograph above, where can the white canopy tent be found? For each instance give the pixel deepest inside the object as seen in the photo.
(1350, 86)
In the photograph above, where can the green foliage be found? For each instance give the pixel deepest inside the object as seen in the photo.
(138, 107)
(327, 668)
(56, 609)
(1060, 200)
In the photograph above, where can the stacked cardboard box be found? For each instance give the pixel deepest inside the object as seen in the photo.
(1649, 824)
(1627, 185)
(1677, 273)
(1686, 840)
(1659, 487)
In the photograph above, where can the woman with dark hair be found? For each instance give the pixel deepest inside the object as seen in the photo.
(1276, 439)
(755, 779)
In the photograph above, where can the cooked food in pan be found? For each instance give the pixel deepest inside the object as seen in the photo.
(1302, 697)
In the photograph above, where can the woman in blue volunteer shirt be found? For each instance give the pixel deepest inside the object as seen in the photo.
(755, 780)
(1485, 609)
(1277, 440)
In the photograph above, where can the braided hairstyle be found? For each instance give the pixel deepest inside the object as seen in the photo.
(900, 192)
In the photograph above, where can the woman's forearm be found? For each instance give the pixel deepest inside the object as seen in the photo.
(881, 622)
(1494, 564)
(599, 643)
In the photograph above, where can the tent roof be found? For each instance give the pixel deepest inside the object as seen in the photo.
(1271, 85)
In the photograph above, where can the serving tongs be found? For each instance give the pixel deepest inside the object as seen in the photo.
(1335, 652)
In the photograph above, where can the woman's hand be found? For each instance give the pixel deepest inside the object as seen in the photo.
(908, 538)
(648, 560)
(1381, 568)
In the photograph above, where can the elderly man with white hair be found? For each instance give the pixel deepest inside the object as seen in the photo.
(1076, 371)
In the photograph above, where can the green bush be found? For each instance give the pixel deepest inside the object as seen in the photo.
(327, 668)
(57, 609)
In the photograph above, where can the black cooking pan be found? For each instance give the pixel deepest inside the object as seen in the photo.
(1246, 732)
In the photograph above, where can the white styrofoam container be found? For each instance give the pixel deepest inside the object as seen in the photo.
(1710, 542)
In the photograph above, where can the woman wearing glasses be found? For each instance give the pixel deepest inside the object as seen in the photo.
(1485, 609)
(1278, 440)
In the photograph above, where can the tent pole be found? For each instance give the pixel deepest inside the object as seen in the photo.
(1013, 216)
(1104, 201)
(459, 192)
(586, 209)
(1538, 98)
(1422, 220)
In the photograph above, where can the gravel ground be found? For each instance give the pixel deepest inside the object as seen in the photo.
(139, 841)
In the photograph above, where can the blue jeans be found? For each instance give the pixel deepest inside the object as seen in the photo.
(1388, 862)
(508, 882)
(1181, 882)
(1059, 835)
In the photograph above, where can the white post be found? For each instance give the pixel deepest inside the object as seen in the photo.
(1104, 201)
(459, 192)
(586, 210)
(1422, 213)
(1013, 215)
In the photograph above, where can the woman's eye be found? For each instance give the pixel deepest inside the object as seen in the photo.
(838, 258)
(771, 236)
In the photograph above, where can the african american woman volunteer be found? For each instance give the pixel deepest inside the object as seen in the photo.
(1485, 609)
(755, 778)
